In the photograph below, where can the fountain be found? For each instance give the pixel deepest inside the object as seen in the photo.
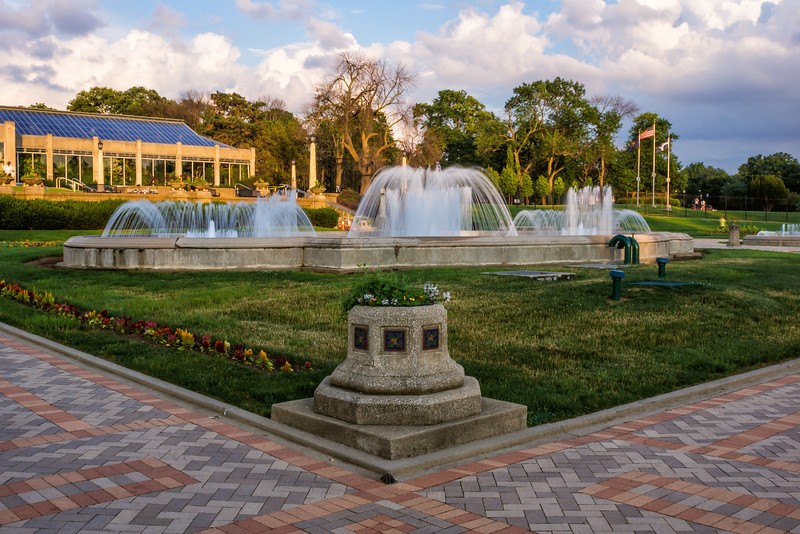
(408, 218)
(588, 212)
(408, 202)
(788, 236)
(276, 216)
(786, 230)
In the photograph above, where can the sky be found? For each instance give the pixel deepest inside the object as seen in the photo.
(725, 73)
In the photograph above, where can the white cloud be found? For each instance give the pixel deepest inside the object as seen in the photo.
(727, 65)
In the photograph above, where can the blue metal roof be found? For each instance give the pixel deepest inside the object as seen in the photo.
(105, 127)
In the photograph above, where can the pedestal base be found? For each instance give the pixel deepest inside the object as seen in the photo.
(417, 410)
(397, 442)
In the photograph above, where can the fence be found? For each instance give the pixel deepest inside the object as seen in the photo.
(777, 210)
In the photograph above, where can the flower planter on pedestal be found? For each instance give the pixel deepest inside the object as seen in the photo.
(398, 394)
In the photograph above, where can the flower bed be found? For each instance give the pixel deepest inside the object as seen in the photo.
(178, 338)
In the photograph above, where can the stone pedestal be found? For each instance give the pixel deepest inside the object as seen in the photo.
(399, 394)
(733, 236)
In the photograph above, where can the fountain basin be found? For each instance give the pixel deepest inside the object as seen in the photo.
(334, 252)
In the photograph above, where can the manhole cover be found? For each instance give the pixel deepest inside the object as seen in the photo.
(537, 275)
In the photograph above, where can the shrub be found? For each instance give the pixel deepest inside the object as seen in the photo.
(323, 217)
(38, 214)
(349, 199)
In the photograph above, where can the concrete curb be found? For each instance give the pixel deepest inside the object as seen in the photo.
(532, 436)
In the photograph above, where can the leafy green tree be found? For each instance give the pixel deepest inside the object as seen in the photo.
(707, 179)
(605, 121)
(493, 176)
(663, 134)
(780, 164)
(95, 100)
(542, 188)
(559, 189)
(526, 187)
(455, 116)
(769, 190)
(547, 121)
(137, 101)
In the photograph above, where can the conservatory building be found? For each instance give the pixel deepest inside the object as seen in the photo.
(86, 149)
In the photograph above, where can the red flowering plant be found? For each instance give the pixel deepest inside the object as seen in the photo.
(179, 338)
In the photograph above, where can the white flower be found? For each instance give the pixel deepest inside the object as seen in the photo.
(385, 302)
(446, 296)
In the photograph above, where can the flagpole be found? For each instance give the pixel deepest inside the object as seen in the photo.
(638, 163)
(669, 148)
(654, 163)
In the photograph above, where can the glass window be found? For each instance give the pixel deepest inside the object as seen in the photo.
(59, 166)
(74, 168)
(224, 174)
(130, 171)
(148, 170)
(86, 169)
(170, 170)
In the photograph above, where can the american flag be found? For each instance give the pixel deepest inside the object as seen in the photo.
(650, 132)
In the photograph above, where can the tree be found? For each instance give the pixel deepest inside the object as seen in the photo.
(137, 101)
(95, 100)
(365, 100)
(768, 189)
(455, 117)
(780, 164)
(542, 188)
(559, 189)
(647, 147)
(547, 121)
(605, 121)
(709, 180)
(275, 133)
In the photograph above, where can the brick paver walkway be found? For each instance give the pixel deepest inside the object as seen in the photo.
(82, 452)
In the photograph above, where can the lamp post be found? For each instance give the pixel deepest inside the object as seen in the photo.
(294, 176)
(101, 175)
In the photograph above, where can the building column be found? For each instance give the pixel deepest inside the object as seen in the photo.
(138, 162)
(10, 146)
(48, 157)
(252, 161)
(216, 166)
(178, 160)
(97, 164)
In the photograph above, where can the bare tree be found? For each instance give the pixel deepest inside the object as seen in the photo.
(191, 106)
(364, 101)
(610, 110)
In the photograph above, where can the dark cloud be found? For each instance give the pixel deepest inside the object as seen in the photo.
(43, 49)
(41, 18)
(72, 18)
(281, 9)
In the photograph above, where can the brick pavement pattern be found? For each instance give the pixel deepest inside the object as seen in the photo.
(82, 452)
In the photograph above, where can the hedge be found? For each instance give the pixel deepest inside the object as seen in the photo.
(323, 217)
(38, 214)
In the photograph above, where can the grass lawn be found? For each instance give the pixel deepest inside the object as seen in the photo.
(561, 348)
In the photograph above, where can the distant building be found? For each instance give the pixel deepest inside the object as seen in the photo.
(113, 150)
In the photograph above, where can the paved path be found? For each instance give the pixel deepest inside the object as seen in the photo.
(83, 452)
(723, 243)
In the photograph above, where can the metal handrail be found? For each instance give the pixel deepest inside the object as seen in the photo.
(74, 184)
